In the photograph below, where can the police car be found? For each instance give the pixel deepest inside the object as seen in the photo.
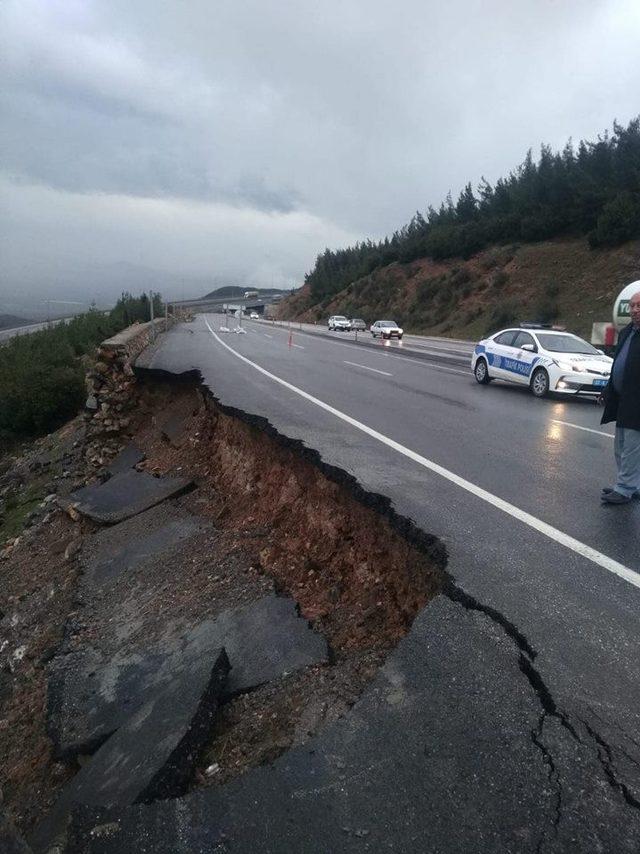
(545, 359)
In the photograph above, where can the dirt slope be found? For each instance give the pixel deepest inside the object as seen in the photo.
(562, 281)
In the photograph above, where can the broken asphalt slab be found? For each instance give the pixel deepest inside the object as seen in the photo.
(451, 749)
(114, 552)
(265, 640)
(153, 754)
(125, 495)
(91, 694)
(128, 457)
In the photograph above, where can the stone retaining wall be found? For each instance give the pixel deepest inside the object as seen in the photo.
(111, 389)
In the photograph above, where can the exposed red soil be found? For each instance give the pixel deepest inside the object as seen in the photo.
(358, 580)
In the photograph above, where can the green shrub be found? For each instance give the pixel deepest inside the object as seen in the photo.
(505, 313)
(551, 290)
(41, 383)
(546, 310)
(499, 280)
(41, 375)
(618, 222)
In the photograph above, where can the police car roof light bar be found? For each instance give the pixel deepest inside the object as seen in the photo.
(528, 324)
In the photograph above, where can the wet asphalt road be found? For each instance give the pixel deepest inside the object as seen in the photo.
(547, 458)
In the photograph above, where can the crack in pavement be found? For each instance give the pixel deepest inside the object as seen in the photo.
(606, 760)
(527, 656)
(554, 778)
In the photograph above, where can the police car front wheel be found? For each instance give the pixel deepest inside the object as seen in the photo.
(540, 383)
(481, 372)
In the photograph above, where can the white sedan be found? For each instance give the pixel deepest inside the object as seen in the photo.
(387, 329)
(544, 359)
(338, 322)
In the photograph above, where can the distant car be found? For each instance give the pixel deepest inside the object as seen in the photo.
(358, 325)
(254, 315)
(546, 360)
(339, 323)
(387, 329)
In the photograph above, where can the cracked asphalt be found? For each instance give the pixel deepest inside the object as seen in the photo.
(508, 718)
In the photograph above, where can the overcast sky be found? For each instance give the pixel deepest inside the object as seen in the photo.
(232, 140)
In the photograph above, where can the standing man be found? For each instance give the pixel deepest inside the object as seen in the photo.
(622, 405)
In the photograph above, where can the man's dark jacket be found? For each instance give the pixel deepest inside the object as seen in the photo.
(624, 408)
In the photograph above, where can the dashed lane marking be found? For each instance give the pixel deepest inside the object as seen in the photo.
(429, 365)
(382, 349)
(392, 354)
(440, 352)
(533, 522)
(367, 368)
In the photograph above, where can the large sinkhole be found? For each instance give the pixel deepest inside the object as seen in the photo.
(358, 571)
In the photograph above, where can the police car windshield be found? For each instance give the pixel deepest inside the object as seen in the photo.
(566, 344)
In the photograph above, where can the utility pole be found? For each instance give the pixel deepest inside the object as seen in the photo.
(153, 326)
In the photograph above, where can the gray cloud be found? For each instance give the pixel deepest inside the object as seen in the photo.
(296, 124)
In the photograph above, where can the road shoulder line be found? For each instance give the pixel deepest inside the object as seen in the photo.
(580, 427)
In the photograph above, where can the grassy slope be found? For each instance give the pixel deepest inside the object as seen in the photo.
(562, 279)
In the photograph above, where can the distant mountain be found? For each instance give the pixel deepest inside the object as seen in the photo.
(221, 293)
(10, 321)
(236, 291)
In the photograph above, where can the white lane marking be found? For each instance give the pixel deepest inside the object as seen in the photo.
(392, 355)
(299, 346)
(430, 365)
(367, 368)
(439, 353)
(586, 429)
(442, 351)
(384, 351)
(266, 335)
(544, 528)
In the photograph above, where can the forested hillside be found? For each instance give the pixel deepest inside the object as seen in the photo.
(561, 281)
(589, 193)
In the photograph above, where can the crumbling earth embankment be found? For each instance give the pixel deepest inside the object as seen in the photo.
(358, 570)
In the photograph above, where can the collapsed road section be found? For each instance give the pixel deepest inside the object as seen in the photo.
(257, 658)
(233, 600)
